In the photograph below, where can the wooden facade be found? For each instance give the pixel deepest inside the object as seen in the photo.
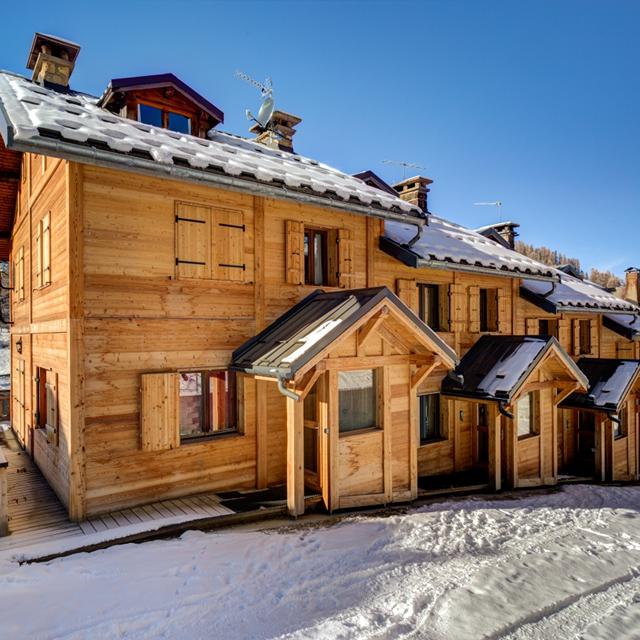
(123, 281)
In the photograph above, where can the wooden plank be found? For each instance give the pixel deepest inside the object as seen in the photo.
(495, 441)
(295, 457)
(387, 426)
(160, 414)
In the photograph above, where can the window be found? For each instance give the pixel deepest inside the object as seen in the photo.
(208, 403)
(315, 257)
(43, 251)
(160, 118)
(18, 276)
(46, 415)
(488, 310)
(429, 305)
(620, 428)
(430, 418)
(357, 399)
(548, 328)
(585, 337)
(528, 414)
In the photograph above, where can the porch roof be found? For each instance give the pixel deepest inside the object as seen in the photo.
(313, 325)
(497, 366)
(610, 380)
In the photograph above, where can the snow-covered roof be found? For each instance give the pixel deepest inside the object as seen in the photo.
(443, 244)
(42, 120)
(626, 324)
(573, 293)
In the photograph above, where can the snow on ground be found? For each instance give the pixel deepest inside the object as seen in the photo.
(557, 565)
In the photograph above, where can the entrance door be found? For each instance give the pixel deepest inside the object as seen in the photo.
(312, 440)
(482, 436)
(586, 447)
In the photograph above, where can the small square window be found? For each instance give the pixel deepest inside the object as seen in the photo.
(315, 257)
(150, 115)
(429, 305)
(528, 415)
(549, 328)
(357, 400)
(179, 123)
(488, 310)
(620, 427)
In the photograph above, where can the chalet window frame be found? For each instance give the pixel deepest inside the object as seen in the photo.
(440, 431)
(434, 298)
(585, 345)
(205, 407)
(309, 262)
(18, 275)
(621, 428)
(164, 116)
(545, 325)
(488, 309)
(377, 390)
(534, 415)
(46, 415)
(43, 252)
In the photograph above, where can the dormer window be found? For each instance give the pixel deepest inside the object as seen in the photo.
(164, 119)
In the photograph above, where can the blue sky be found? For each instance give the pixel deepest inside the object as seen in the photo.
(532, 103)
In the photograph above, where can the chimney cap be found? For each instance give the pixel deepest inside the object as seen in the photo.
(632, 270)
(59, 44)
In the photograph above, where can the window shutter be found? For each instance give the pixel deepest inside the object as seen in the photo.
(38, 252)
(533, 327)
(575, 329)
(46, 249)
(624, 350)
(504, 311)
(51, 392)
(228, 245)
(457, 295)
(193, 241)
(345, 258)
(595, 337)
(444, 295)
(474, 309)
(294, 258)
(18, 278)
(407, 291)
(160, 412)
(564, 334)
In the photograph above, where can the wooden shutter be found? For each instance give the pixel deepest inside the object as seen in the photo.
(228, 245)
(474, 309)
(595, 336)
(407, 291)
(345, 248)
(575, 332)
(193, 241)
(294, 252)
(38, 254)
(46, 249)
(160, 412)
(504, 310)
(564, 334)
(51, 395)
(444, 295)
(19, 395)
(18, 278)
(532, 326)
(457, 302)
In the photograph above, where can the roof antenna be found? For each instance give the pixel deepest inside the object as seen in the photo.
(405, 165)
(267, 107)
(497, 204)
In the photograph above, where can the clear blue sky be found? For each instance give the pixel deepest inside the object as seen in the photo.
(535, 103)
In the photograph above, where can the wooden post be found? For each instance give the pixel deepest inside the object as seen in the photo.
(601, 447)
(495, 462)
(414, 439)
(386, 436)
(295, 456)
(554, 436)
(333, 439)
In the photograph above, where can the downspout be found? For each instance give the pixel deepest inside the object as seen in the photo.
(418, 235)
(553, 288)
(286, 392)
(503, 411)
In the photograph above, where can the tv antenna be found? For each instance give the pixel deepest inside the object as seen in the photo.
(267, 107)
(405, 165)
(497, 204)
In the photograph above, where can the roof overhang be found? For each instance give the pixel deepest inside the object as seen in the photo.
(625, 331)
(412, 259)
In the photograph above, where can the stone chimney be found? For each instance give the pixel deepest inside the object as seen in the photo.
(52, 60)
(631, 292)
(279, 132)
(414, 190)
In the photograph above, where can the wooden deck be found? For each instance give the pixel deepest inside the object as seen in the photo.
(37, 516)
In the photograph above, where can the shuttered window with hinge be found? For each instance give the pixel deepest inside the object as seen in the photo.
(18, 276)
(595, 337)
(51, 399)
(504, 310)
(343, 251)
(43, 251)
(193, 241)
(159, 412)
(407, 291)
(294, 252)
(228, 245)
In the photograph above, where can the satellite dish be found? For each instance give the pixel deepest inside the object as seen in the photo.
(268, 105)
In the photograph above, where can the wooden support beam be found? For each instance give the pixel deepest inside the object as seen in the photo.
(423, 372)
(386, 435)
(393, 340)
(601, 447)
(495, 462)
(295, 457)
(261, 434)
(414, 439)
(365, 332)
(306, 384)
(566, 392)
(372, 362)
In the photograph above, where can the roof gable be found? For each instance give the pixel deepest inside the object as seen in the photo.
(313, 327)
(496, 367)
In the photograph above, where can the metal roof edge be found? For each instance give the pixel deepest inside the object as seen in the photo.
(538, 300)
(620, 329)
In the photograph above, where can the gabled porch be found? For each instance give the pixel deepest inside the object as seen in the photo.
(348, 364)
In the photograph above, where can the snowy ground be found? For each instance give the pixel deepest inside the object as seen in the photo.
(559, 565)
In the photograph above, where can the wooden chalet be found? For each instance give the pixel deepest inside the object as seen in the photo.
(196, 311)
